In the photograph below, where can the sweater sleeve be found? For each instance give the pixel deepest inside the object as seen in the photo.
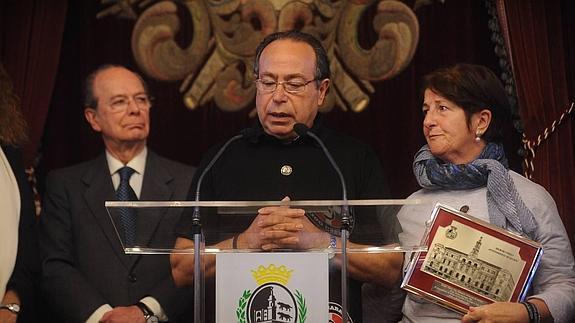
(554, 281)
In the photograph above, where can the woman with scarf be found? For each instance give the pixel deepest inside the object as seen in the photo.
(464, 166)
(19, 265)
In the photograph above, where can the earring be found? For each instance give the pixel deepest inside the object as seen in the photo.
(478, 135)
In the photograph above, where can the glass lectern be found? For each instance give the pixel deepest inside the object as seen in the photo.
(250, 271)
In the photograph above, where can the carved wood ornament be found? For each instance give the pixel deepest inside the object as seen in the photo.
(217, 64)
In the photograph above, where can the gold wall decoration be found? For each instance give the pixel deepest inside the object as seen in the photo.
(217, 63)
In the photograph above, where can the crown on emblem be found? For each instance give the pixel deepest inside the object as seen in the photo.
(272, 273)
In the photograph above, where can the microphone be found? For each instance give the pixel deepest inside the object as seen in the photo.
(302, 130)
(196, 225)
(247, 133)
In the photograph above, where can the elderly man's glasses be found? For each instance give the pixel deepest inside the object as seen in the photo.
(121, 103)
(291, 86)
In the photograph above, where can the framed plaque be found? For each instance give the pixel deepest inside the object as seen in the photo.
(470, 262)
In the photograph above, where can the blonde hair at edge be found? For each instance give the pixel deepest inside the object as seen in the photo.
(12, 122)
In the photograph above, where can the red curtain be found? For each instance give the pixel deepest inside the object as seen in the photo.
(31, 35)
(542, 47)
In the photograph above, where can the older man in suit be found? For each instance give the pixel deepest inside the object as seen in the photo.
(86, 274)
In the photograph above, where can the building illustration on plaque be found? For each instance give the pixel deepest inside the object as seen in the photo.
(272, 312)
(469, 271)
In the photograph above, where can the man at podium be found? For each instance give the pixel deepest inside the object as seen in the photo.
(273, 162)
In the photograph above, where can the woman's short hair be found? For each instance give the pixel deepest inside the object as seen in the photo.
(473, 88)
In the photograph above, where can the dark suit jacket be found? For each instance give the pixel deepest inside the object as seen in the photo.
(25, 275)
(84, 265)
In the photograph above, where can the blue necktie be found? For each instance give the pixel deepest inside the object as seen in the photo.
(127, 215)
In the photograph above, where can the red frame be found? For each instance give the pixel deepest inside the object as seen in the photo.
(420, 282)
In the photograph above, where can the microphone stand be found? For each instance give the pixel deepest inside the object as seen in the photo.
(344, 236)
(198, 291)
(197, 232)
(301, 129)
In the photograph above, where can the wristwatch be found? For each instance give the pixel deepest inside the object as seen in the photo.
(332, 246)
(12, 307)
(148, 314)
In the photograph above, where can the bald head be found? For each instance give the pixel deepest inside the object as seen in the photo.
(90, 97)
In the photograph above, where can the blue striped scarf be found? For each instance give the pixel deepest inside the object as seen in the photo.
(505, 206)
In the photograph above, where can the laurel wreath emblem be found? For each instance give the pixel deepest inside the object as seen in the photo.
(242, 303)
(301, 306)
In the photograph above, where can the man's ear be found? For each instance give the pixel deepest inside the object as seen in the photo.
(483, 121)
(91, 116)
(323, 87)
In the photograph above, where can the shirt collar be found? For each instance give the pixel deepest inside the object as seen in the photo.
(138, 163)
(317, 128)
